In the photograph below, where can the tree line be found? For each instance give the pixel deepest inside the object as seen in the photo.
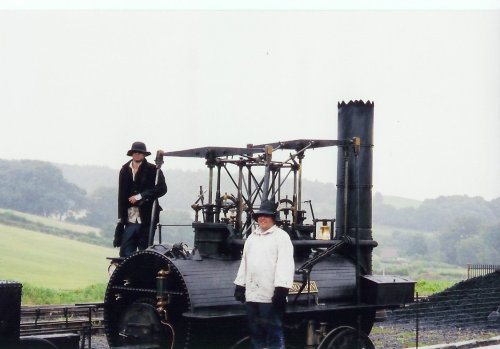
(436, 214)
(39, 188)
(462, 229)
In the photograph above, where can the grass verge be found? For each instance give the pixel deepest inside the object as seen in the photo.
(429, 287)
(34, 295)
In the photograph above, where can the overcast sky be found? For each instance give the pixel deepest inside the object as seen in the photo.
(79, 86)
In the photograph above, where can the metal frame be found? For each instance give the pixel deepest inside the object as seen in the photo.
(249, 189)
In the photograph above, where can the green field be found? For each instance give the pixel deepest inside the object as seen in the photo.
(49, 261)
(84, 229)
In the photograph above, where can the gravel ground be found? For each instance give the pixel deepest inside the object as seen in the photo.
(388, 335)
(99, 342)
(397, 336)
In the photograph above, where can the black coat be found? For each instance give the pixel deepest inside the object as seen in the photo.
(144, 184)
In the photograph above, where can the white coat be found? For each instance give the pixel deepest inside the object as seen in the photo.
(266, 263)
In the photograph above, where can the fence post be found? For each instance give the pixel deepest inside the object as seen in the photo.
(417, 322)
(474, 270)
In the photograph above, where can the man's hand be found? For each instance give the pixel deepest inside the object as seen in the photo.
(279, 298)
(132, 199)
(239, 293)
(117, 241)
(135, 198)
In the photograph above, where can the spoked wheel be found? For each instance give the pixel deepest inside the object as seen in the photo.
(345, 337)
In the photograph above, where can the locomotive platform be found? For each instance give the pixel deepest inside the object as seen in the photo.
(239, 311)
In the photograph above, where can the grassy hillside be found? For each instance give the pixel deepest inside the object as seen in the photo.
(50, 261)
(50, 222)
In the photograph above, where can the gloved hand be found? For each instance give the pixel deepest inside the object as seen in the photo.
(279, 298)
(117, 241)
(239, 293)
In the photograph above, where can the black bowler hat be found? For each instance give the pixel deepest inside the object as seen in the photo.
(138, 147)
(267, 208)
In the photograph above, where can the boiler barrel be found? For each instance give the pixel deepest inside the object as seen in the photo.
(198, 291)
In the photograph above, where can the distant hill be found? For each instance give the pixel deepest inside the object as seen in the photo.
(184, 186)
(400, 202)
(89, 178)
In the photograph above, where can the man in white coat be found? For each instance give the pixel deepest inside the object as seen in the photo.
(264, 277)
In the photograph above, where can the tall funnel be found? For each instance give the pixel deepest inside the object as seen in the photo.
(354, 176)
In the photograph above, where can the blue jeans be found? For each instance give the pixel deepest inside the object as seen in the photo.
(266, 326)
(134, 237)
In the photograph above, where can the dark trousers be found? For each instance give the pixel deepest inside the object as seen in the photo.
(266, 326)
(135, 237)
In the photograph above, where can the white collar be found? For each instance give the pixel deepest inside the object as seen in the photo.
(259, 231)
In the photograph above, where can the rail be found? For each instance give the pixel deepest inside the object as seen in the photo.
(85, 319)
(475, 270)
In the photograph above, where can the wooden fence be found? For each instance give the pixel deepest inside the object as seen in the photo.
(474, 270)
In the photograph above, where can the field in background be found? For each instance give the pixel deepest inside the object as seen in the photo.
(51, 222)
(50, 261)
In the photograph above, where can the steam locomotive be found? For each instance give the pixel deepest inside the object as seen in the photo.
(170, 296)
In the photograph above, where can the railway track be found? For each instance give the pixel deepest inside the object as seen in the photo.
(83, 320)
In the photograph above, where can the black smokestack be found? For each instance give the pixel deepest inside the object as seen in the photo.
(354, 200)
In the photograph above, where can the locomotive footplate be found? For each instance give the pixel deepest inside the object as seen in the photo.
(214, 313)
(138, 346)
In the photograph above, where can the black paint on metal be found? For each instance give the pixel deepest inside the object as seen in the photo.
(354, 193)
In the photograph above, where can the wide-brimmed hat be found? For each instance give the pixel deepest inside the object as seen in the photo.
(138, 147)
(267, 208)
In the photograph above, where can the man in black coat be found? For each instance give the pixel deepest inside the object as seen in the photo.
(137, 192)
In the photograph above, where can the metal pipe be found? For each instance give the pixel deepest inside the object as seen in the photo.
(265, 187)
(299, 196)
(210, 184)
(239, 210)
(248, 222)
(358, 254)
(217, 196)
(346, 186)
(294, 197)
(158, 162)
(310, 338)
(321, 243)
(279, 186)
